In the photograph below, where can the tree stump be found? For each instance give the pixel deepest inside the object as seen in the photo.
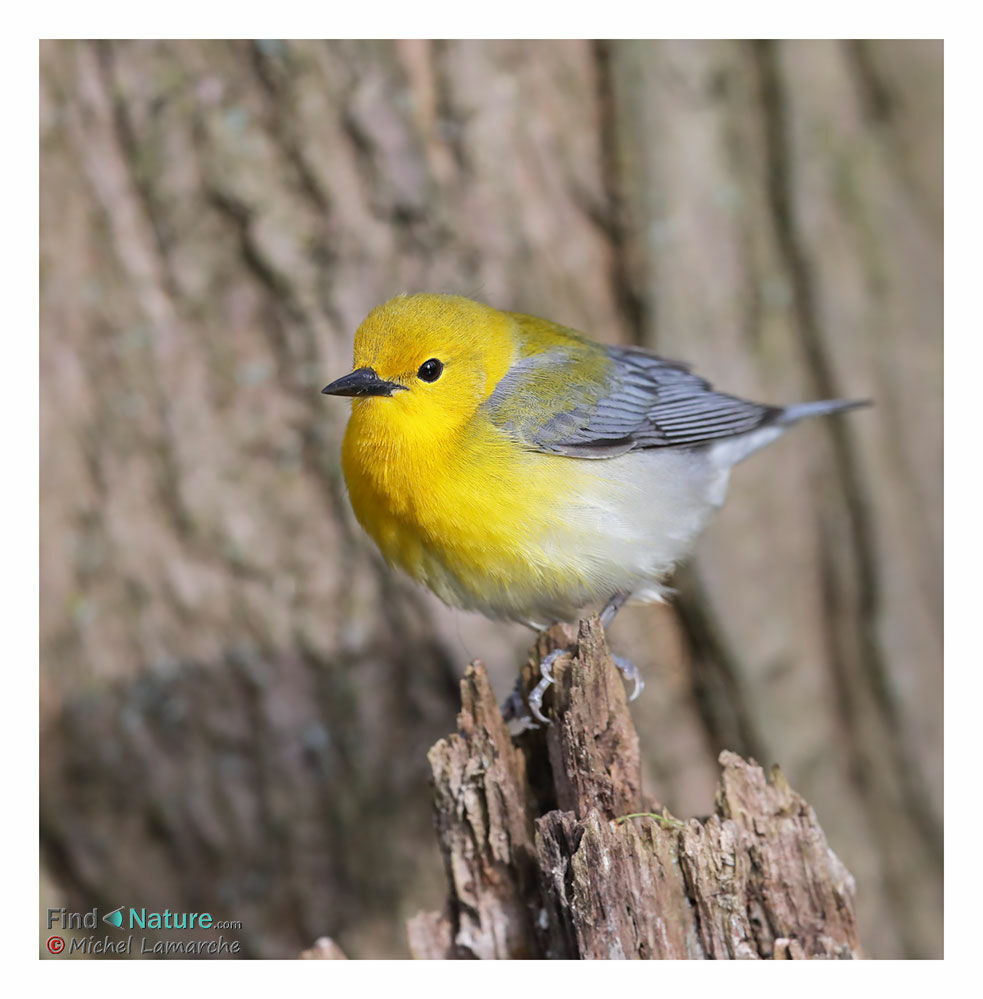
(552, 850)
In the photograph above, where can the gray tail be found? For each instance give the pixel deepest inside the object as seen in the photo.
(792, 414)
(730, 450)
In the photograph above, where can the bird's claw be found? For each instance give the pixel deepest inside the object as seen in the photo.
(630, 672)
(536, 694)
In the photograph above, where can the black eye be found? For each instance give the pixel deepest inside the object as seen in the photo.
(430, 370)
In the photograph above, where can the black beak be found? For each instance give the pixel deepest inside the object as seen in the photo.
(362, 381)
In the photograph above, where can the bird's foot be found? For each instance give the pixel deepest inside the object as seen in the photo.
(513, 708)
(537, 692)
(630, 672)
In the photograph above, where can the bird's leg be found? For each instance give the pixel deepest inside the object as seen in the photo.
(628, 669)
(612, 607)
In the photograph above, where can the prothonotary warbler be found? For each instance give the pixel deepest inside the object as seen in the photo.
(517, 468)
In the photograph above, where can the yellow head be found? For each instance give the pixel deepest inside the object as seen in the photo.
(423, 366)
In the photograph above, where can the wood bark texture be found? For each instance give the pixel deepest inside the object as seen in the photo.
(561, 861)
(237, 694)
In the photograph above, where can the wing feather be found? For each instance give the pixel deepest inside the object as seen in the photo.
(632, 399)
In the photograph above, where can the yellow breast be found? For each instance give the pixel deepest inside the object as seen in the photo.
(477, 519)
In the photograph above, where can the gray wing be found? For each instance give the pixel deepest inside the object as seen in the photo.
(643, 402)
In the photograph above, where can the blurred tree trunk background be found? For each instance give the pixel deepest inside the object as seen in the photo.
(237, 695)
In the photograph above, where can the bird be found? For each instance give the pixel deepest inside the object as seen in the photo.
(518, 468)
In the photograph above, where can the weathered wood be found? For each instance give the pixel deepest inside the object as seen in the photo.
(323, 949)
(581, 865)
(481, 802)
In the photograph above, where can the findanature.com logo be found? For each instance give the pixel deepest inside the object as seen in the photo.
(123, 918)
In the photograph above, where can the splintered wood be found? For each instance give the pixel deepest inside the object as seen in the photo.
(547, 855)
